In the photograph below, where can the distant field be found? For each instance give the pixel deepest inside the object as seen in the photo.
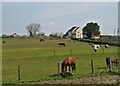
(38, 60)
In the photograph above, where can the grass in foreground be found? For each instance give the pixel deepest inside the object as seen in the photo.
(38, 61)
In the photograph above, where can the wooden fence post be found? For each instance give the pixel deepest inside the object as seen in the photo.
(54, 52)
(18, 72)
(58, 68)
(92, 66)
(71, 52)
(103, 50)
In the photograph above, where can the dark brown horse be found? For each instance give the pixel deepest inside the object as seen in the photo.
(112, 60)
(42, 40)
(4, 41)
(61, 44)
(70, 62)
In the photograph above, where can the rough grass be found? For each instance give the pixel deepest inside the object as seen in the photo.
(38, 61)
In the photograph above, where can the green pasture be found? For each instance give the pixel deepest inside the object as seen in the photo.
(38, 60)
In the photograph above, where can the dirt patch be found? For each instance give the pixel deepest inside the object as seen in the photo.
(102, 79)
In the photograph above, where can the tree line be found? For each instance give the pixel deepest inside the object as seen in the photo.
(34, 29)
(91, 29)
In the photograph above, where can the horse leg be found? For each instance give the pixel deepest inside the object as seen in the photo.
(95, 50)
(65, 68)
(112, 64)
(69, 68)
(73, 69)
(116, 62)
(62, 68)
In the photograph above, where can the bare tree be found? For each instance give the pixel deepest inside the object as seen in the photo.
(33, 29)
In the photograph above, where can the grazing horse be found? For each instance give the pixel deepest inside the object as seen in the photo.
(4, 41)
(70, 62)
(61, 44)
(112, 60)
(96, 47)
(106, 46)
(42, 40)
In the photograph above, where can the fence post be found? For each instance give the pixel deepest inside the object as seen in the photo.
(92, 66)
(18, 72)
(54, 52)
(103, 50)
(71, 52)
(58, 68)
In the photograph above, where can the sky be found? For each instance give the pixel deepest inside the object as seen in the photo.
(58, 16)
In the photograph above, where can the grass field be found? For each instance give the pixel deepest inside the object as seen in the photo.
(38, 60)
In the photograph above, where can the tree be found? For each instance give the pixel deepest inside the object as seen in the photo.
(91, 29)
(33, 29)
(56, 34)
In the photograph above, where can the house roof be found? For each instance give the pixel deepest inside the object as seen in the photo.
(76, 29)
(73, 29)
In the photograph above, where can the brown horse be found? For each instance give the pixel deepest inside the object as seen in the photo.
(112, 60)
(42, 40)
(4, 41)
(70, 62)
(61, 44)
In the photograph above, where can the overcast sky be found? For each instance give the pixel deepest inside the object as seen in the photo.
(58, 16)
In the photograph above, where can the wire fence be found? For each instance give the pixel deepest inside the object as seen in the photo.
(39, 65)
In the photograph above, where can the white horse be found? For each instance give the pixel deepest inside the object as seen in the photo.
(96, 47)
(106, 46)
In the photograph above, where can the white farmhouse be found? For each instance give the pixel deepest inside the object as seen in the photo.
(74, 32)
